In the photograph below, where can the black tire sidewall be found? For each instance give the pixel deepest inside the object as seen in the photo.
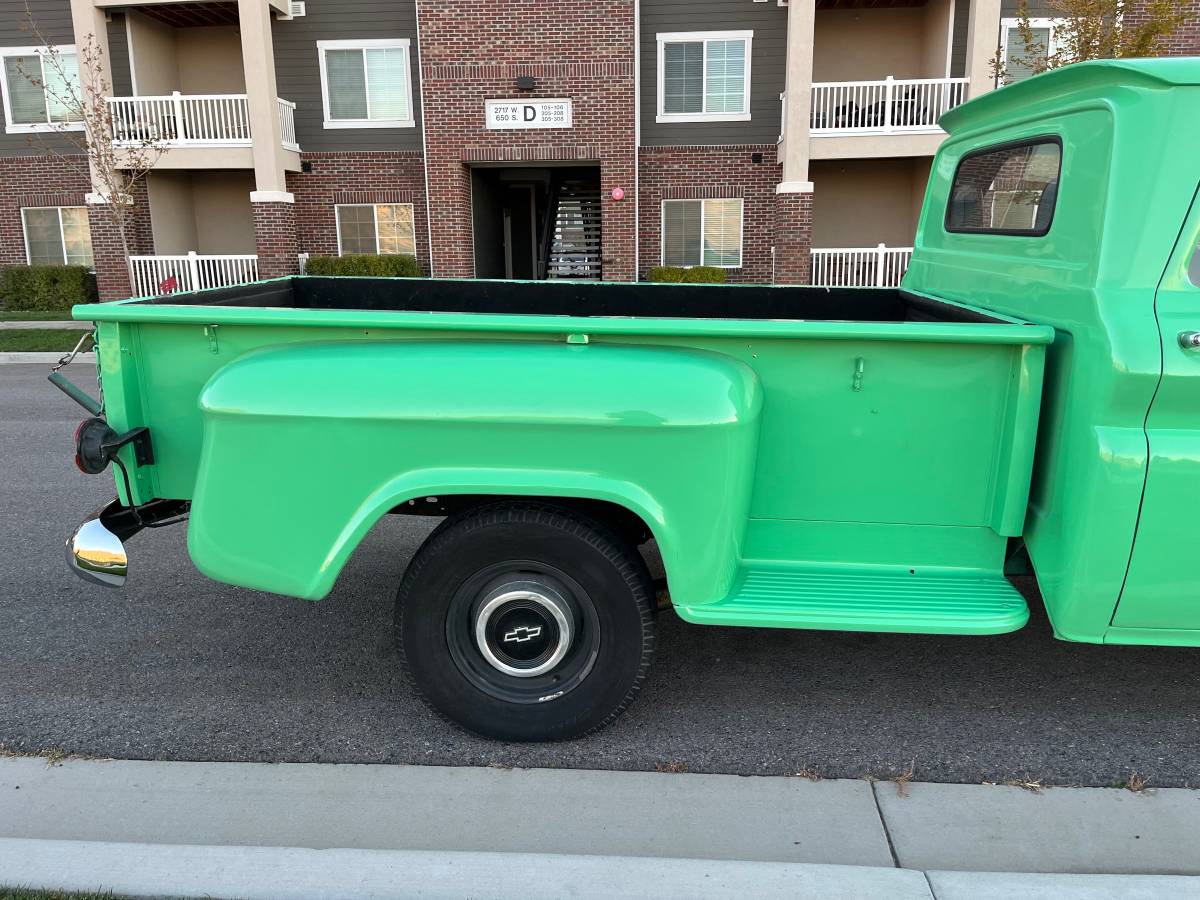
(617, 587)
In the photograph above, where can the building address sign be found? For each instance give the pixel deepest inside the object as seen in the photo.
(528, 113)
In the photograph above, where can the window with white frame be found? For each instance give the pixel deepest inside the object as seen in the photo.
(376, 228)
(1020, 55)
(704, 76)
(57, 235)
(41, 88)
(366, 84)
(702, 233)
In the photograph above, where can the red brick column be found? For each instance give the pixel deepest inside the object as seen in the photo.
(793, 237)
(108, 252)
(275, 235)
(112, 268)
(450, 218)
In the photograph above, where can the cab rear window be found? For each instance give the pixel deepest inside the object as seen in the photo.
(1009, 189)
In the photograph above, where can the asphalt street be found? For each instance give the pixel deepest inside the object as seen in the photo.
(175, 666)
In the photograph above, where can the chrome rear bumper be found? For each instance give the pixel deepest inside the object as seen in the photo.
(96, 551)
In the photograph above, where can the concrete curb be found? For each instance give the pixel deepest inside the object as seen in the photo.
(51, 358)
(298, 873)
(371, 831)
(295, 873)
(35, 324)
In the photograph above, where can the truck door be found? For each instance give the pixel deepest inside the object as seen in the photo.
(1161, 589)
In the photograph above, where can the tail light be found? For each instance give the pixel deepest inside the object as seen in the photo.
(93, 445)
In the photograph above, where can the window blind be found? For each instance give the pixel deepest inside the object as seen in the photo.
(683, 77)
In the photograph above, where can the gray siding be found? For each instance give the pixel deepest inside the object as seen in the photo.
(1010, 9)
(118, 56)
(53, 20)
(958, 47)
(768, 54)
(298, 72)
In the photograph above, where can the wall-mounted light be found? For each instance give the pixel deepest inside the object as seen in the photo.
(526, 82)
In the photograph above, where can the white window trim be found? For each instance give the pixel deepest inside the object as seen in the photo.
(384, 43)
(673, 37)
(662, 230)
(62, 237)
(11, 127)
(1007, 25)
(337, 215)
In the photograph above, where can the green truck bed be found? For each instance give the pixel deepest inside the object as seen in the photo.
(886, 446)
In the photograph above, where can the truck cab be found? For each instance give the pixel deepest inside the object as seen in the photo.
(839, 459)
(1111, 267)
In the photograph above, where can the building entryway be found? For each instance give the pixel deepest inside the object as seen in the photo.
(537, 222)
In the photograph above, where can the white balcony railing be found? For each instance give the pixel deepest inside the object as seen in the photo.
(879, 266)
(183, 120)
(287, 124)
(189, 272)
(890, 106)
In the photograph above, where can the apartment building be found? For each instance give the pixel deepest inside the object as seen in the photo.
(786, 142)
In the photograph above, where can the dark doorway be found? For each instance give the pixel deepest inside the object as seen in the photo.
(537, 222)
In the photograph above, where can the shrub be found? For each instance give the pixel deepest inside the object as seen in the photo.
(46, 287)
(693, 275)
(666, 274)
(703, 275)
(364, 264)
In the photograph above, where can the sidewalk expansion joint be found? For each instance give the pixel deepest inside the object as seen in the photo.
(887, 834)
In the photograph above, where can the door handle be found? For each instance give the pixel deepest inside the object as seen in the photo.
(1189, 340)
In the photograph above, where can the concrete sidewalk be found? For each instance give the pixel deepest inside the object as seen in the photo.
(148, 828)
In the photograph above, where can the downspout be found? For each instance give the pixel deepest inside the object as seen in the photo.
(637, 139)
(424, 140)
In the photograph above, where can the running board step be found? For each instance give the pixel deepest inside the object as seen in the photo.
(939, 602)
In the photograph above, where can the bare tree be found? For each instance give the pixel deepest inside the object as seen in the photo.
(82, 131)
(1089, 29)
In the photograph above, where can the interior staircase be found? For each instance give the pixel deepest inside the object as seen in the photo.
(575, 242)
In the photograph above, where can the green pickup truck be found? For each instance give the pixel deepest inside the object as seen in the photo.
(851, 459)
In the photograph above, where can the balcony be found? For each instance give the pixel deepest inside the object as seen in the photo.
(887, 106)
(193, 121)
(153, 275)
(879, 266)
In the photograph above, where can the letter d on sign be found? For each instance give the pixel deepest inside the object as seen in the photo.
(530, 113)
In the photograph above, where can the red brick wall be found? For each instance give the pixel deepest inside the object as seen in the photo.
(359, 177)
(34, 181)
(1186, 40)
(682, 173)
(56, 181)
(472, 52)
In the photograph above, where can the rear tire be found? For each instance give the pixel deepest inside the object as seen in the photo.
(526, 622)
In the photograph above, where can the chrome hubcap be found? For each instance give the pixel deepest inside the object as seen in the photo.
(523, 628)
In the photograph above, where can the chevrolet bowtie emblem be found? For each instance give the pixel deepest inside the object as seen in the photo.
(522, 633)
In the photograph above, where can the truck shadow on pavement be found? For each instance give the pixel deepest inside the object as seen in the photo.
(175, 666)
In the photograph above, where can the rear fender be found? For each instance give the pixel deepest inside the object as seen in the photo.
(307, 446)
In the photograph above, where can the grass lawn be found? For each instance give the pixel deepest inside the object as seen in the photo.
(25, 340)
(25, 894)
(36, 315)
